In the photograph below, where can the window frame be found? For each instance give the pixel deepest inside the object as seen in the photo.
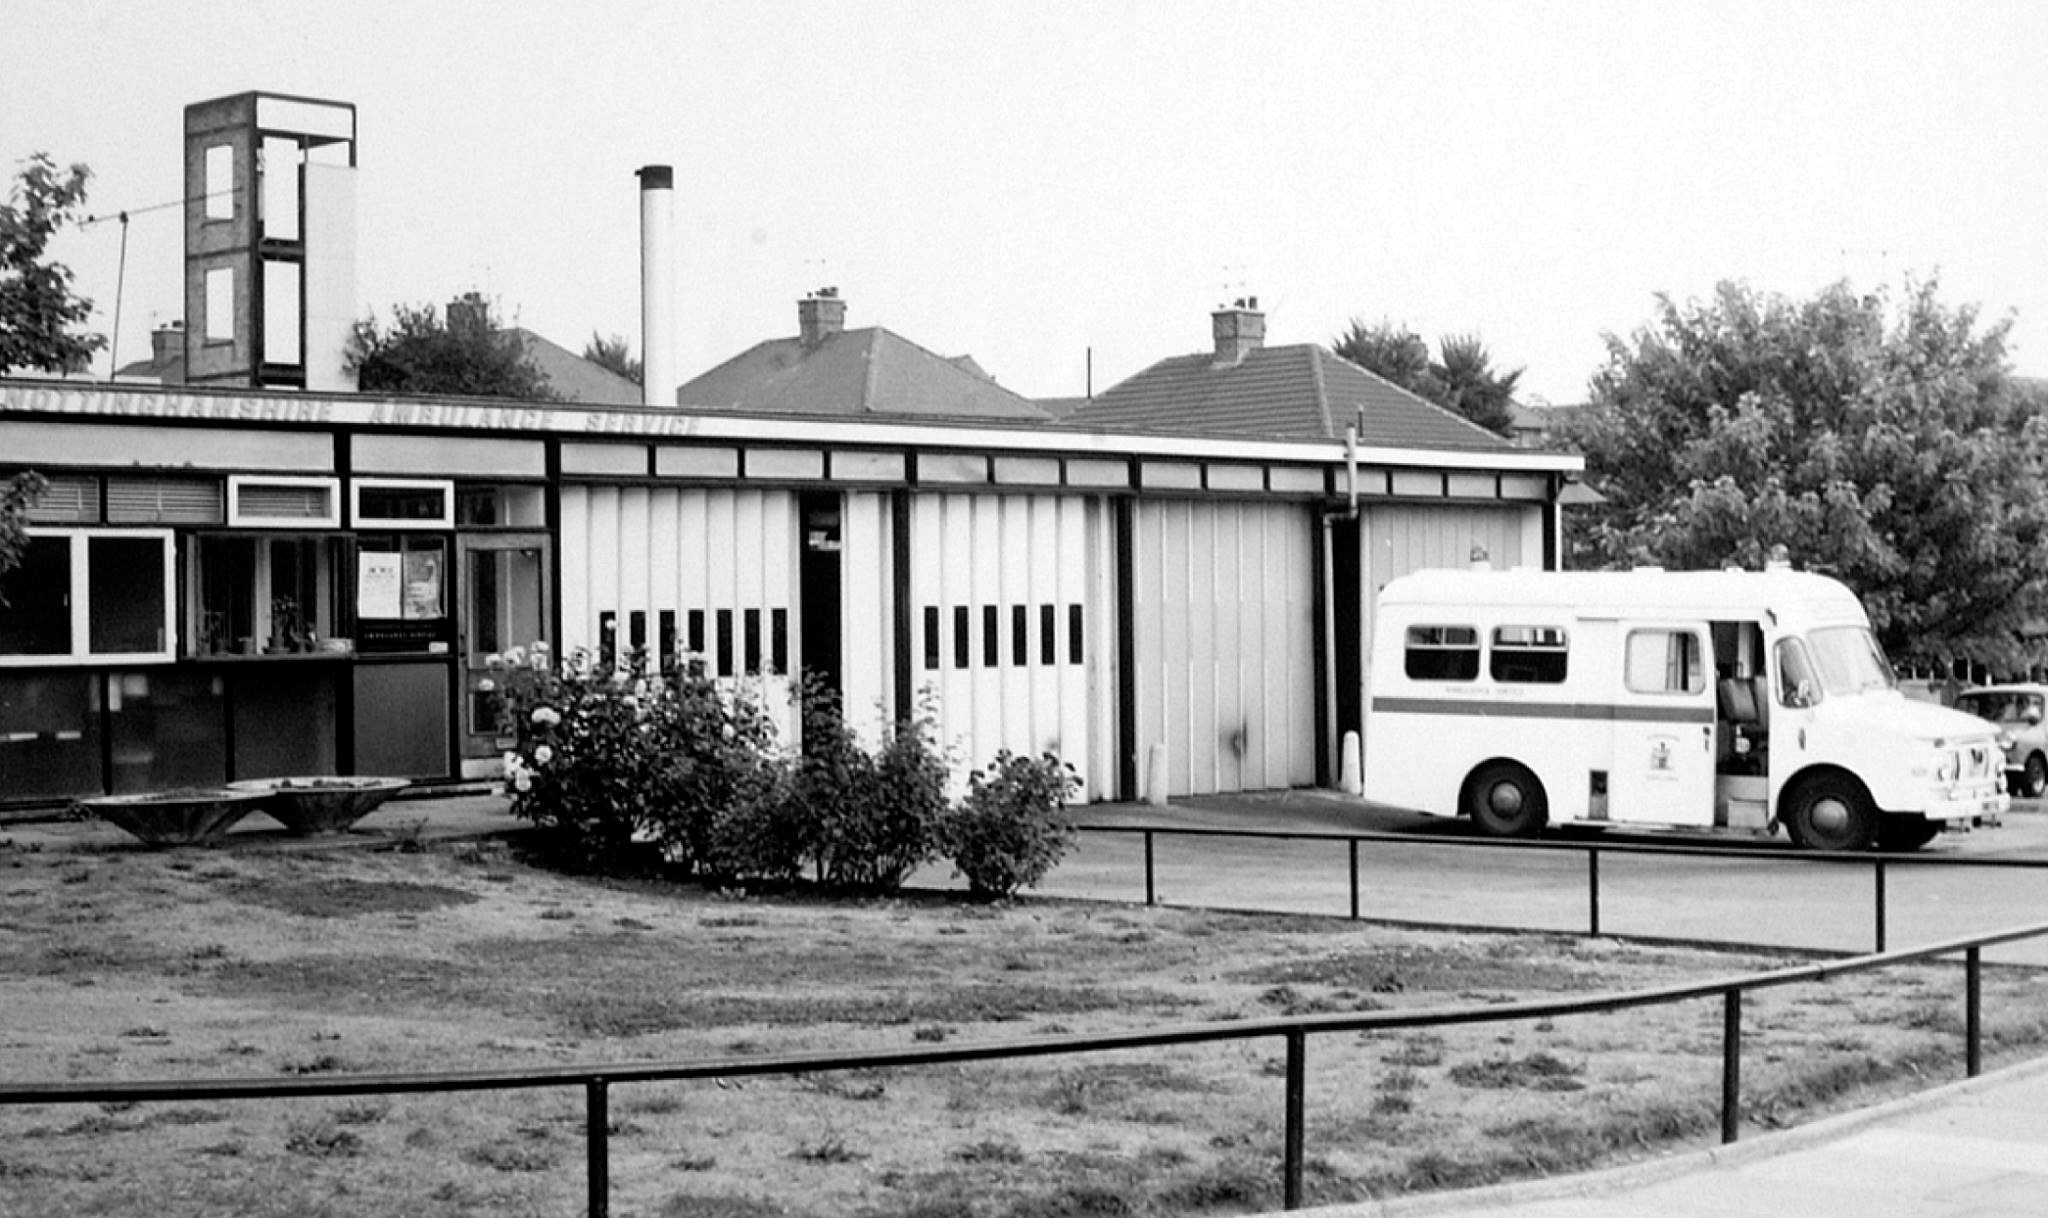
(79, 592)
(238, 519)
(1544, 647)
(1697, 667)
(1411, 648)
(444, 522)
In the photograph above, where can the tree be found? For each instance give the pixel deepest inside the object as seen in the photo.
(1461, 379)
(613, 354)
(1882, 445)
(469, 354)
(17, 495)
(38, 311)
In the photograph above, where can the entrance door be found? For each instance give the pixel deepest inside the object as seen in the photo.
(504, 591)
(1664, 728)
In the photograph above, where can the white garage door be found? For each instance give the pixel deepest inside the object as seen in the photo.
(1008, 637)
(1224, 602)
(677, 571)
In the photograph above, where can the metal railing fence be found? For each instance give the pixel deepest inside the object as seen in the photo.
(1879, 863)
(1294, 1031)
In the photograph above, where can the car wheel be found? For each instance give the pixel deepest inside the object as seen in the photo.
(2034, 782)
(1905, 833)
(1830, 812)
(1505, 800)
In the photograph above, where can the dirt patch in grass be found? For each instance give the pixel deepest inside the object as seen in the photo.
(130, 965)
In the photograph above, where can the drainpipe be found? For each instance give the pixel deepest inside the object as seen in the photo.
(1350, 512)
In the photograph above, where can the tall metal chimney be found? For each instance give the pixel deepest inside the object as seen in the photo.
(657, 286)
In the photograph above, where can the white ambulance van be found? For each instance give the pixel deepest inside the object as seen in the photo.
(1738, 700)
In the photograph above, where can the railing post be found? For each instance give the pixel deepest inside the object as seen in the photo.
(1354, 879)
(1151, 894)
(1593, 891)
(597, 1145)
(1290, 1171)
(1731, 1065)
(1880, 905)
(1973, 1011)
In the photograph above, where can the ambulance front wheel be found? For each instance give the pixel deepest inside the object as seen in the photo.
(1505, 800)
(1830, 812)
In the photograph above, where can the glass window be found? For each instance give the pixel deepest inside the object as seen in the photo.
(35, 601)
(1849, 660)
(88, 594)
(1665, 662)
(402, 594)
(126, 598)
(1443, 653)
(404, 504)
(1796, 685)
(1532, 654)
(264, 594)
(486, 506)
(220, 304)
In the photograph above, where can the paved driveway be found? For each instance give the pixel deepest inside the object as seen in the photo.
(1736, 895)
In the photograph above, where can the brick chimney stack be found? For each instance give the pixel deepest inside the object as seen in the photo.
(1240, 329)
(166, 345)
(820, 315)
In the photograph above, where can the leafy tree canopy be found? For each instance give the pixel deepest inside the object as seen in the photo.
(613, 354)
(1460, 378)
(468, 354)
(17, 495)
(39, 313)
(1878, 443)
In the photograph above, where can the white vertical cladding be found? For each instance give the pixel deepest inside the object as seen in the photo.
(634, 541)
(986, 661)
(1224, 611)
(1008, 623)
(720, 564)
(574, 562)
(867, 614)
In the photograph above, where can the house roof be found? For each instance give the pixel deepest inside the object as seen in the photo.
(576, 378)
(569, 374)
(853, 372)
(1299, 391)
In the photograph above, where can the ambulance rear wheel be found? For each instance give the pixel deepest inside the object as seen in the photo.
(1830, 812)
(1505, 800)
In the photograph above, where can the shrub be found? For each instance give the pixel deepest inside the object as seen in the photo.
(621, 770)
(870, 818)
(1008, 832)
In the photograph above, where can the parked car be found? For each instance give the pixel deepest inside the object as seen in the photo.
(2018, 711)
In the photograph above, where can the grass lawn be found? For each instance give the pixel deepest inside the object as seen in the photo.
(132, 964)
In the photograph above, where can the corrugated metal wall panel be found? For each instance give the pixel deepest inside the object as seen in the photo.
(1224, 614)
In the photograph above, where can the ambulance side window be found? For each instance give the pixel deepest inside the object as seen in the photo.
(1442, 653)
(1664, 662)
(1528, 655)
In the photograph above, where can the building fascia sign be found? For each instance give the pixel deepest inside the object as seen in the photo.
(135, 403)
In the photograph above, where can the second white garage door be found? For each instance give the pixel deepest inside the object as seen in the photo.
(1225, 622)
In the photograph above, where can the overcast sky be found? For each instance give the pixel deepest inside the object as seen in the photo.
(1026, 181)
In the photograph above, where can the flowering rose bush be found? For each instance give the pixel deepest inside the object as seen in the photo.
(623, 770)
